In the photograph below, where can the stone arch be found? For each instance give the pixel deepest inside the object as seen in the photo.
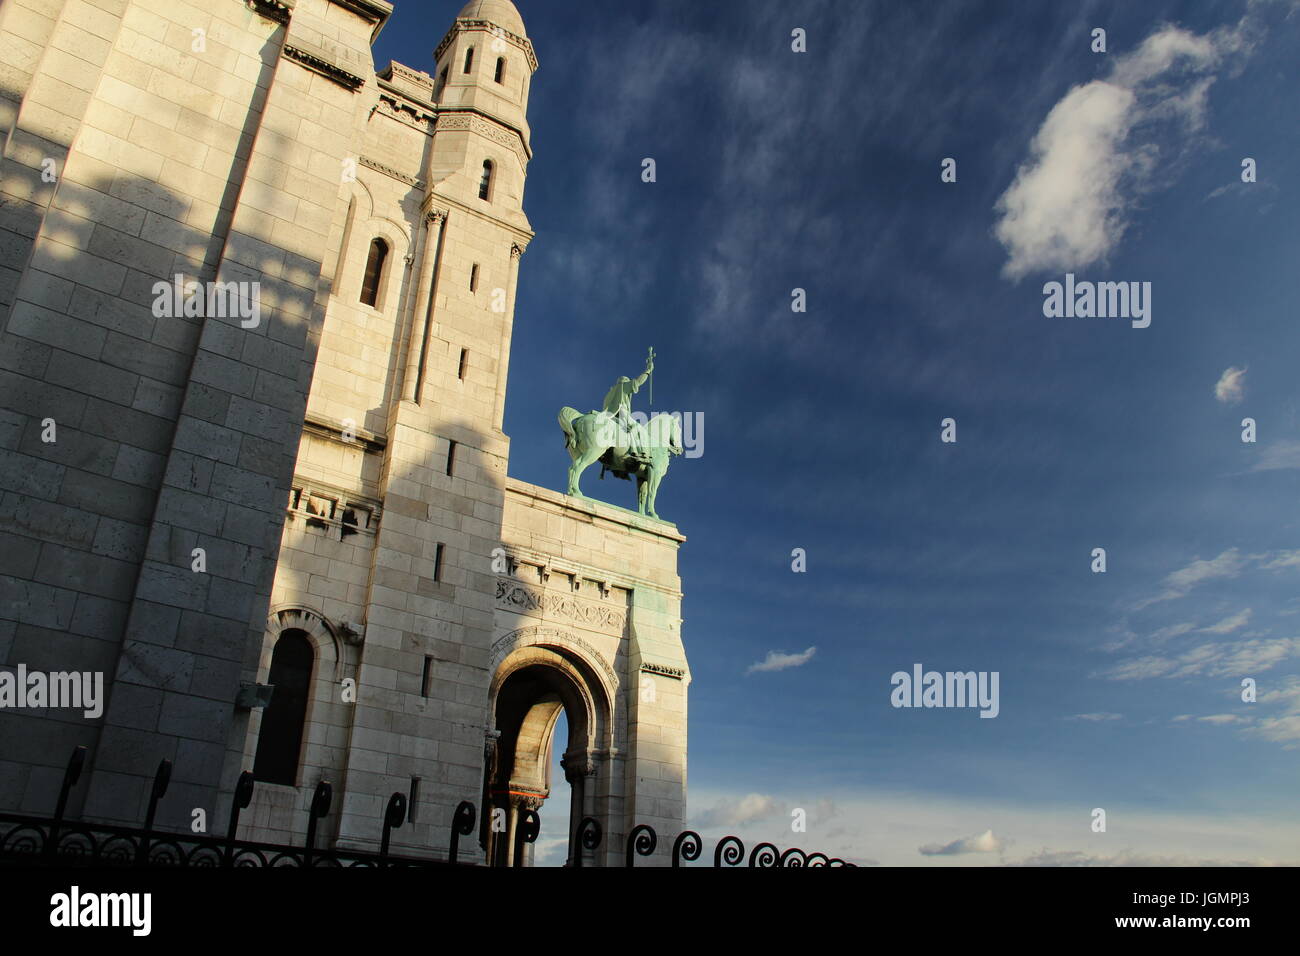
(539, 672)
(328, 664)
(393, 278)
(323, 635)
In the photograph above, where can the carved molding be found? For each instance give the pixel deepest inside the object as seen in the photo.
(523, 43)
(664, 670)
(324, 67)
(406, 113)
(556, 637)
(518, 597)
(270, 9)
(475, 123)
(390, 171)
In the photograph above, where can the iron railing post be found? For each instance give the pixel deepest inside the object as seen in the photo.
(243, 797)
(320, 805)
(160, 781)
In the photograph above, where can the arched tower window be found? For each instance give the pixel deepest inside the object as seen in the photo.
(374, 271)
(501, 69)
(469, 59)
(279, 743)
(485, 184)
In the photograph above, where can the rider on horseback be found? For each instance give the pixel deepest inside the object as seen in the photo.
(618, 404)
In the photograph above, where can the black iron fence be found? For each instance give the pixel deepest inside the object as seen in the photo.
(54, 841)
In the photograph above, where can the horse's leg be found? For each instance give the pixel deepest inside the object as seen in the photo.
(656, 475)
(642, 486)
(584, 457)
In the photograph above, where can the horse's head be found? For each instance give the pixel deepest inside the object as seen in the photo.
(665, 430)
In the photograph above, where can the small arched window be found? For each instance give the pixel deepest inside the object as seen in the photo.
(374, 272)
(442, 84)
(279, 742)
(469, 59)
(485, 184)
(501, 69)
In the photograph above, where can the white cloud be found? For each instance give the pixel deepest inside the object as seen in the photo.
(1210, 660)
(1098, 717)
(888, 826)
(1279, 456)
(1046, 857)
(984, 842)
(730, 813)
(1229, 564)
(779, 661)
(1229, 624)
(1096, 151)
(1231, 386)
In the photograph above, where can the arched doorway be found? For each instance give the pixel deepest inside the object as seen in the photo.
(533, 686)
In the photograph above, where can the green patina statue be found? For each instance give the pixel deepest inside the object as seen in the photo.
(620, 443)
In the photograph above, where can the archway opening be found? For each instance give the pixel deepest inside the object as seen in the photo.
(543, 712)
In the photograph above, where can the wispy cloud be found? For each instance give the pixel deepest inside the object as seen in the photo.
(1098, 150)
(731, 813)
(1231, 386)
(1228, 564)
(1097, 717)
(1234, 659)
(1278, 456)
(779, 661)
(1229, 624)
(984, 842)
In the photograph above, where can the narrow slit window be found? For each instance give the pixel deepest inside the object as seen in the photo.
(485, 184)
(437, 563)
(469, 60)
(501, 69)
(451, 455)
(374, 272)
(412, 800)
(442, 83)
(473, 278)
(427, 678)
(464, 357)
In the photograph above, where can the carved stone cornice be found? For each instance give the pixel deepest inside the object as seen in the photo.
(663, 670)
(406, 113)
(476, 122)
(516, 596)
(393, 173)
(523, 43)
(276, 10)
(326, 68)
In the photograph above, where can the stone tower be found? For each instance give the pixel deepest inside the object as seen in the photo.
(423, 618)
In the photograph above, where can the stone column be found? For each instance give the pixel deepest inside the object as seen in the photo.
(431, 252)
(503, 362)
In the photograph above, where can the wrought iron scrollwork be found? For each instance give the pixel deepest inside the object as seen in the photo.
(764, 856)
(462, 824)
(641, 842)
(688, 846)
(586, 837)
(729, 851)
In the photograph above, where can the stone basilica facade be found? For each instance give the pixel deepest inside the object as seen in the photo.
(314, 496)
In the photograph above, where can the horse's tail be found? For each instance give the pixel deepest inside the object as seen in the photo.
(567, 415)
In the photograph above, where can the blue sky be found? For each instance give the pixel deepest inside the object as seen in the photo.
(821, 170)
